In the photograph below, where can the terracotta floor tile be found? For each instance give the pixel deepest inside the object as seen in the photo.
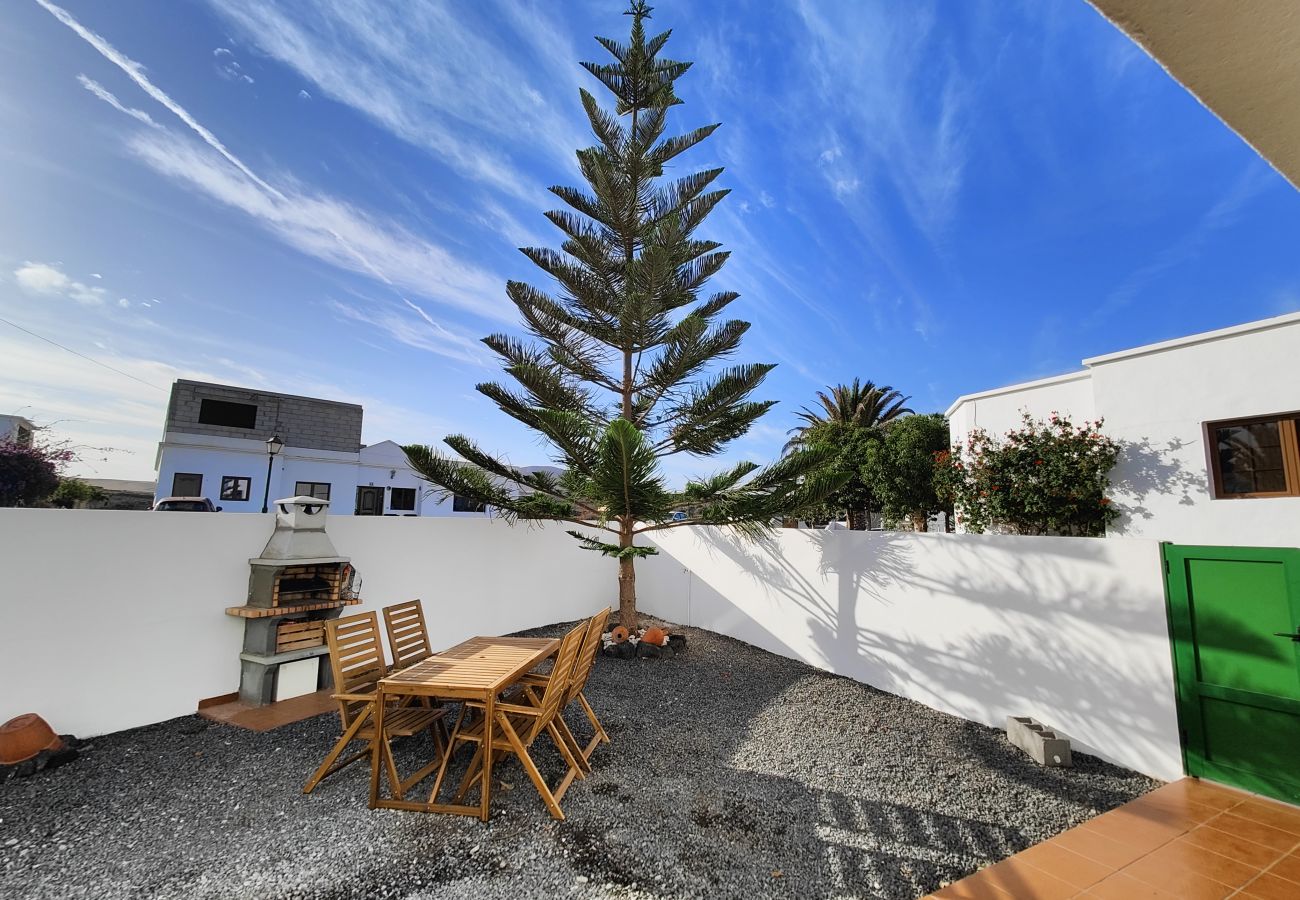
(1270, 887)
(1203, 792)
(1288, 867)
(1122, 887)
(1160, 873)
(1182, 855)
(1140, 833)
(1233, 846)
(1178, 805)
(1098, 847)
(1026, 882)
(1065, 864)
(1254, 831)
(1278, 815)
(975, 887)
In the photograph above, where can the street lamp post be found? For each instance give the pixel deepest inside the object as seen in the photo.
(273, 446)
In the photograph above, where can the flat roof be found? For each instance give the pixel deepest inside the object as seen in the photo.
(1204, 337)
(1019, 386)
(261, 392)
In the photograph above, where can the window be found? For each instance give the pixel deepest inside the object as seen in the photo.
(235, 487)
(464, 504)
(24, 436)
(231, 415)
(402, 499)
(318, 489)
(187, 484)
(1256, 457)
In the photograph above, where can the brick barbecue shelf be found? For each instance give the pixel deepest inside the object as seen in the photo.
(262, 612)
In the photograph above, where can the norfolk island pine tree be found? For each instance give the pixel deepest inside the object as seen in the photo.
(616, 373)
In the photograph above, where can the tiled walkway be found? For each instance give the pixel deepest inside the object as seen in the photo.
(1189, 839)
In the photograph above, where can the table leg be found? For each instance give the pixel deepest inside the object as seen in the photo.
(377, 746)
(485, 790)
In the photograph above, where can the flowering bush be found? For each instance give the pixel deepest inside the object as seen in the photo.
(30, 474)
(1042, 478)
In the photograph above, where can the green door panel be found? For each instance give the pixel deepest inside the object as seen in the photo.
(1231, 613)
(1237, 607)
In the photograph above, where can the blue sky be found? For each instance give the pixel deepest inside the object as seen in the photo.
(324, 197)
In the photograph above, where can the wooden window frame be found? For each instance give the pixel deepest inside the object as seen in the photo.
(1288, 431)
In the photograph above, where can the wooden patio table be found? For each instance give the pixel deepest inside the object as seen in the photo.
(478, 669)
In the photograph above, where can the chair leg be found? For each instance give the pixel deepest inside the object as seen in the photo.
(574, 747)
(472, 774)
(325, 769)
(533, 774)
(446, 758)
(565, 743)
(601, 737)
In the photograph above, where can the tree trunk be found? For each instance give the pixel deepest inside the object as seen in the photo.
(626, 582)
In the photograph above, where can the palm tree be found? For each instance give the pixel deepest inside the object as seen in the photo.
(860, 404)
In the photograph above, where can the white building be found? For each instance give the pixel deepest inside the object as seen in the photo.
(215, 445)
(1207, 425)
(17, 429)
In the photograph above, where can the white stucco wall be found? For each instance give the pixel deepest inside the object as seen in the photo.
(114, 619)
(1156, 400)
(379, 465)
(1069, 630)
(1000, 410)
(1156, 403)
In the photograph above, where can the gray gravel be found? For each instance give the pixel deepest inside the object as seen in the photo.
(732, 773)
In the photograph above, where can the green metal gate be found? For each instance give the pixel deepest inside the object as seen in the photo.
(1234, 616)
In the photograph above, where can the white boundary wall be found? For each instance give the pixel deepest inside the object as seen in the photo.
(1069, 630)
(114, 619)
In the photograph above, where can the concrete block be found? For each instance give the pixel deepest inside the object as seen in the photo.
(1044, 746)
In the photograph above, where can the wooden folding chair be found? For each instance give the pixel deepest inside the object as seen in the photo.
(408, 639)
(577, 683)
(357, 660)
(519, 725)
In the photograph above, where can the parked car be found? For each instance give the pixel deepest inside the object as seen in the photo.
(185, 504)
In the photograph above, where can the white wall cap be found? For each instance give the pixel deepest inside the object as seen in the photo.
(1204, 337)
(1081, 375)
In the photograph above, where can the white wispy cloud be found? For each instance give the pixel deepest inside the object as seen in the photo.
(331, 230)
(228, 67)
(422, 333)
(50, 280)
(900, 117)
(317, 224)
(419, 71)
(107, 96)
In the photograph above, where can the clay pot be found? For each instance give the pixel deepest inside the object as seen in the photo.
(656, 636)
(619, 634)
(25, 736)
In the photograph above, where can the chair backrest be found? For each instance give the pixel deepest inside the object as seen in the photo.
(408, 638)
(587, 655)
(557, 685)
(356, 659)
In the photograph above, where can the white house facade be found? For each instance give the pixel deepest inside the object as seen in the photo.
(1207, 425)
(215, 446)
(17, 429)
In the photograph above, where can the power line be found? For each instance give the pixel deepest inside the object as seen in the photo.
(82, 355)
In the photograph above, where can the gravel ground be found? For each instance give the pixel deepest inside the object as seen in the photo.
(732, 773)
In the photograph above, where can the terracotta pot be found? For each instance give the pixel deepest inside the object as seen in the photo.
(655, 636)
(24, 736)
(618, 635)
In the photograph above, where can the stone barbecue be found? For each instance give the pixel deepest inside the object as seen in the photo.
(297, 583)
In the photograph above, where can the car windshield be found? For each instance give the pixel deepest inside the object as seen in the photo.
(183, 506)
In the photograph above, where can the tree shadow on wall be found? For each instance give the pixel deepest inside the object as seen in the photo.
(1021, 655)
(1149, 470)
